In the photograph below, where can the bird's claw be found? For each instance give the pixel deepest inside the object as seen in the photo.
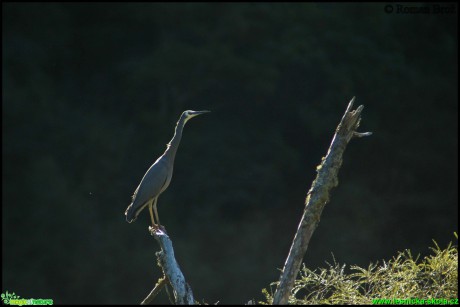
(156, 229)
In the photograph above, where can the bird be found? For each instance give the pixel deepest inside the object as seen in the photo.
(157, 178)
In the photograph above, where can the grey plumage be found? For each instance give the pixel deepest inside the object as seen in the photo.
(157, 178)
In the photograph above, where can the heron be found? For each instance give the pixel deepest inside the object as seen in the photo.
(157, 178)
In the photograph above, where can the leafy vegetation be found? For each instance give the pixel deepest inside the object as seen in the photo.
(402, 277)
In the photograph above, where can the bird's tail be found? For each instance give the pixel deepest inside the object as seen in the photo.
(130, 214)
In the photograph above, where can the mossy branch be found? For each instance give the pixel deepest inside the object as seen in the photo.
(317, 197)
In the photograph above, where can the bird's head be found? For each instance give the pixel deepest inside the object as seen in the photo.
(190, 114)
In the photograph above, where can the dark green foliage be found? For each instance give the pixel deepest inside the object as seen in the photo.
(91, 94)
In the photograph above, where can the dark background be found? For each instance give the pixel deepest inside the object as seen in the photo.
(91, 95)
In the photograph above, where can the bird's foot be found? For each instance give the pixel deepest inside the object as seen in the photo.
(153, 229)
(156, 228)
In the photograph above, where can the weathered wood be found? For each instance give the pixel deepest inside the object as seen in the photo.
(183, 294)
(160, 284)
(317, 197)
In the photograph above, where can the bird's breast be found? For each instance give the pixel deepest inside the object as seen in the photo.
(167, 181)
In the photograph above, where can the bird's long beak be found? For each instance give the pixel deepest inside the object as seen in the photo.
(195, 113)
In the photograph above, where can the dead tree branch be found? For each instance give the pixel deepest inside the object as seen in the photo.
(182, 291)
(317, 197)
(160, 284)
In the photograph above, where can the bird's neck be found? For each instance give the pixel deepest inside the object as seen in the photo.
(175, 141)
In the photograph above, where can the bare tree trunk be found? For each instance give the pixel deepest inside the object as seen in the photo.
(182, 292)
(317, 197)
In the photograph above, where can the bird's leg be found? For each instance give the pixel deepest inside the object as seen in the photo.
(151, 213)
(156, 212)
